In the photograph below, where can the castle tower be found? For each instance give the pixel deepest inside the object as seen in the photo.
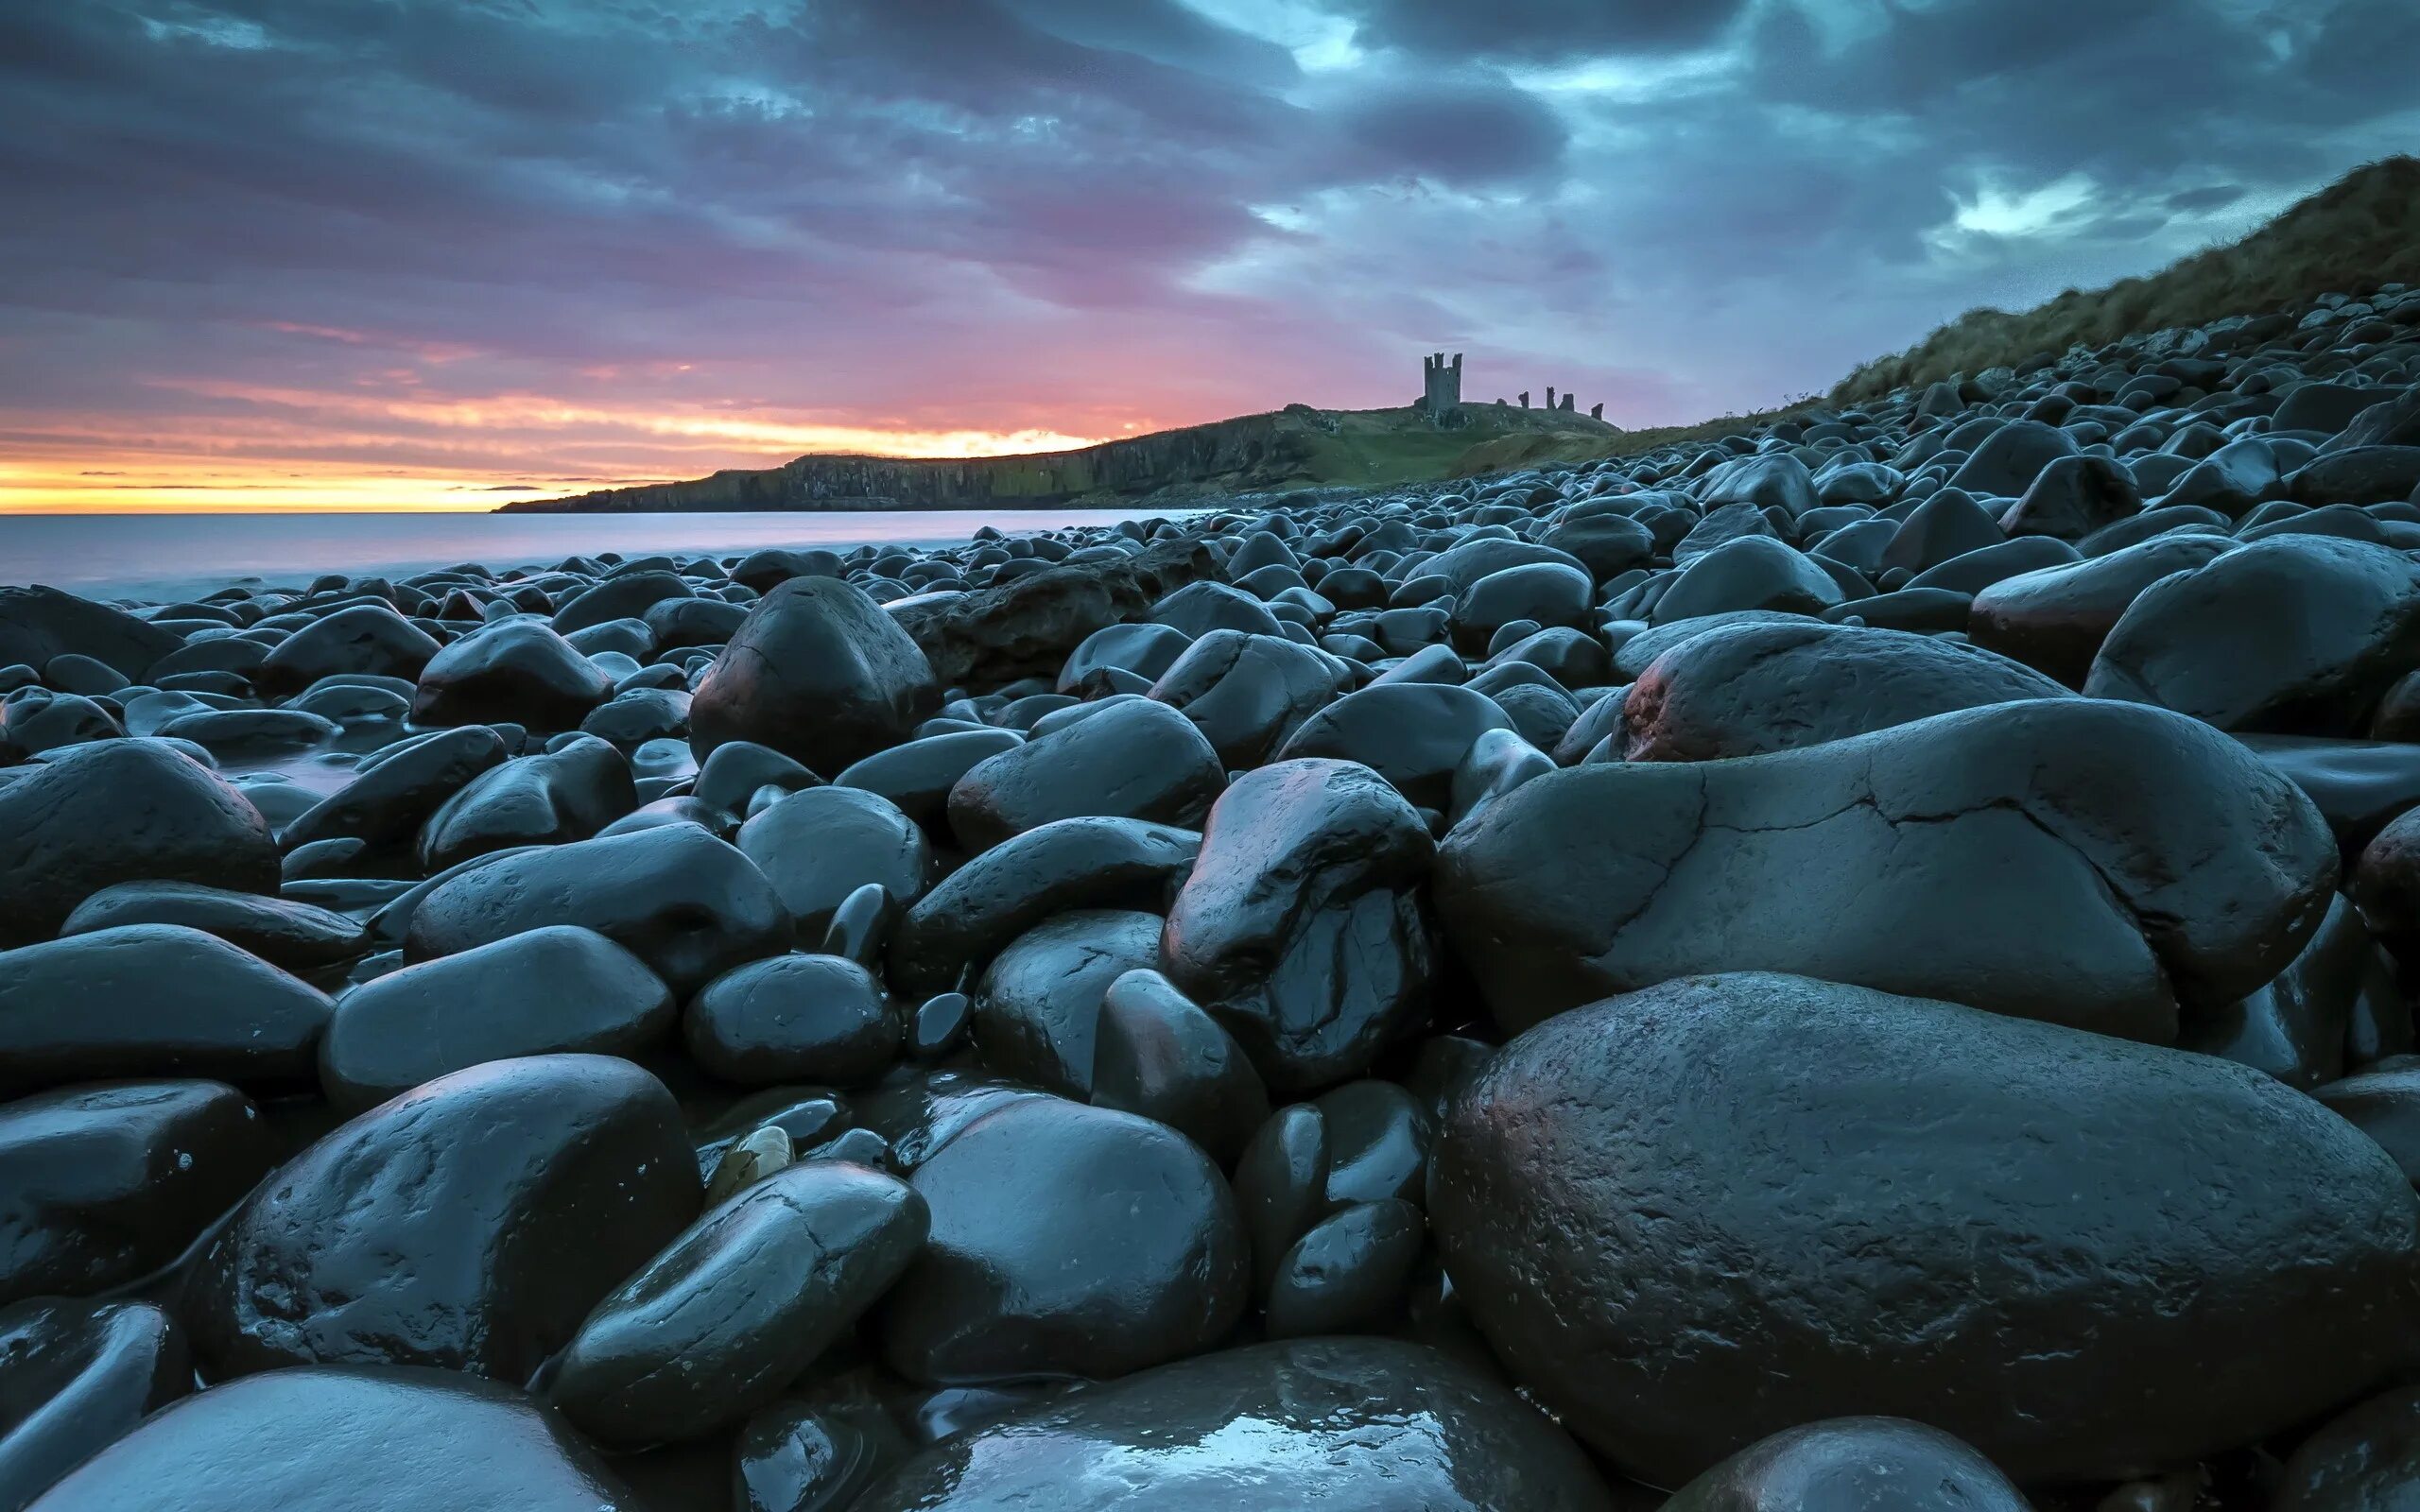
(1442, 384)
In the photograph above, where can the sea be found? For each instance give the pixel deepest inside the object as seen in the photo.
(163, 558)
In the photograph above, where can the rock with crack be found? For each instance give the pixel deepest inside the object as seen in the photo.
(2100, 865)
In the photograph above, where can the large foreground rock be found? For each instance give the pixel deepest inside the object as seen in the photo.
(121, 810)
(347, 1440)
(817, 672)
(1702, 1213)
(2089, 863)
(1370, 1424)
(470, 1224)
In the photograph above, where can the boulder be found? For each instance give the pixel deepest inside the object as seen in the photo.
(817, 672)
(1028, 625)
(1693, 1216)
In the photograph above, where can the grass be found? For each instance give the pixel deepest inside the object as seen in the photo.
(2352, 237)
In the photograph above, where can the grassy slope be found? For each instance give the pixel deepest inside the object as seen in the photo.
(2356, 234)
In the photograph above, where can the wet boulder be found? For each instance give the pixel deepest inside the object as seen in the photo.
(75, 1378)
(1038, 1006)
(2292, 635)
(152, 1000)
(1414, 734)
(1747, 572)
(341, 1440)
(1645, 1207)
(1134, 759)
(568, 792)
(820, 673)
(1372, 1424)
(822, 844)
(39, 624)
(395, 790)
(2092, 863)
(517, 671)
(1301, 928)
(690, 905)
(740, 1305)
(2072, 497)
(121, 810)
(2366, 1459)
(1066, 1241)
(471, 1224)
(1157, 1055)
(795, 1018)
(1746, 689)
(2007, 462)
(1248, 693)
(1853, 1465)
(551, 990)
(296, 936)
(971, 915)
(103, 1184)
(2054, 619)
(368, 640)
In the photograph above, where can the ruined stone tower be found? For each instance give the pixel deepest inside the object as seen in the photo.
(1442, 387)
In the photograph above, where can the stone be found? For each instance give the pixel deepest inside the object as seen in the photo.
(792, 1018)
(396, 790)
(1853, 1465)
(624, 596)
(2011, 457)
(1281, 1185)
(739, 1305)
(103, 1184)
(365, 640)
(517, 670)
(1645, 1208)
(470, 1224)
(1145, 649)
(1029, 625)
(1247, 694)
(1772, 479)
(1350, 1273)
(152, 1000)
(321, 1439)
(2054, 619)
(819, 673)
(2093, 863)
(1038, 1006)
(690, 905)
(75, 1378)
(820, 845)
(2385, 1105)
(2292, 635)
(551, 990)
(39, 625)
(1372, 1424)
(2072, 497)
(1743, 689)
(2366, 1459)
(572, 792)
(1301, 928)
(1157, 1055)
(807, 1456)
(1137, 760)
(1748, 572)
(121, 810)
(971, 916)
(1414, 734)
(2299, 1026)
(1066, 1241)
(295, 935)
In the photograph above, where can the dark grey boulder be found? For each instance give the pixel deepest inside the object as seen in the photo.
(1302, 927)
(1853, 1465)
(1646, 1208)
(296, 936)
(2054, 619)
(103, 1184)
(739, 1305)
(2366, 1459)
(515, 670)
(1066, 1241)
(1748, 572)
(1247, 694)
(2292, 635)
(1414, 734)
(152, 1000)
(395, 791)
(571, 792)
(1746, 689)
(1349, 1272)
(1137, 760)
(121, 810)
(822, 844)
(1158, 1054)
(794, 1018)
(817, 672)
(75, 1378)
(690, 905)
(2095, 864)
(469, 1224)
(1371, 1425)
(551, 990)
(2011, 457)
(2072, 497)
(367, 638)
(321, 1439)
(39, 624)
(1038, 1006)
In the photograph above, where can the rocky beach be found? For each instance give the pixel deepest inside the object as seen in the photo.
(1854, 965)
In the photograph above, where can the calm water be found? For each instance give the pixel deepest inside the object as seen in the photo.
(159, 557)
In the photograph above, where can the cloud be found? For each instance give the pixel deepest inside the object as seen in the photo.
(1543, 29)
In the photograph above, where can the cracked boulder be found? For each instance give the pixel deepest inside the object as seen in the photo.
(1746, 689)
(2100, 865)
(1693, 1216)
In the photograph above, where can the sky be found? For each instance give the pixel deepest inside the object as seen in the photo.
(444, 253)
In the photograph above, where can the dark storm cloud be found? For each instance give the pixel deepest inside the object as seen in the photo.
(1082, 214)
